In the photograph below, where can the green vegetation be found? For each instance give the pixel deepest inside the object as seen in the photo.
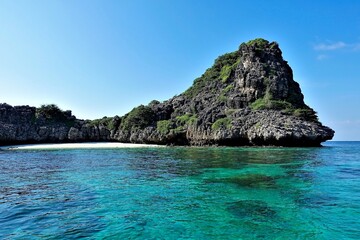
(178, 129)
(259, 43)
(167, 126)
(221, 123)
(222, 98)
(222, 69)
(225, 73)
(49, 111)
(223, 95)
(53, 112)
(226, 59)
(108, 122)
(228, 70)
(259, 104)
(153, 103)
(266, 103)
(186, 119)
(164, 126)
(307, 114)
(228, 88)
(138, 118)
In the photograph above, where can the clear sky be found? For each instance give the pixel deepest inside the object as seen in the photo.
(102, 58)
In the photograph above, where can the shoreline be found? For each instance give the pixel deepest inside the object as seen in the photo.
(92, 145)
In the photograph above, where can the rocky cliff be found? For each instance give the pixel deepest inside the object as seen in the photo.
(24, 124)
(248, 97)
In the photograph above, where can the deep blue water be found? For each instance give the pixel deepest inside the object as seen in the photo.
(181, 193)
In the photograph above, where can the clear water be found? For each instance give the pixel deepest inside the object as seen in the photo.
(182, 193)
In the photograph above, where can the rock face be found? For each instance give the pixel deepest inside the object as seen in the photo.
(24, 124)
(248, 97)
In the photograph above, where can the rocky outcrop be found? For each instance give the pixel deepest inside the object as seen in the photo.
(248, 97)
(24, 124)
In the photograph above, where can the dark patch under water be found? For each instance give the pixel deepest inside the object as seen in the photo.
(252, 210)
(249, 180)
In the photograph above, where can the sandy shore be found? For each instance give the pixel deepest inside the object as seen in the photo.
(78, 146)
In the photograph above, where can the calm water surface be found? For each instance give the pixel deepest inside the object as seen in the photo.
(182, 193)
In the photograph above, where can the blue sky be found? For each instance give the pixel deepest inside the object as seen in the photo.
(102, 58)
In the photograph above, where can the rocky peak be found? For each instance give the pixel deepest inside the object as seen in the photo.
(255, 74)
(263, 74)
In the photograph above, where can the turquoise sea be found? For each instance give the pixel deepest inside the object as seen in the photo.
(181, 193)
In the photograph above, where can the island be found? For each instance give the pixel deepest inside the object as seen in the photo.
(247, 98)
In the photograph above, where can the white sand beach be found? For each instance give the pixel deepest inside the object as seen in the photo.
(92, 145)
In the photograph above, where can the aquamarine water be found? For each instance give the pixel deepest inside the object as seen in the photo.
(181, 193)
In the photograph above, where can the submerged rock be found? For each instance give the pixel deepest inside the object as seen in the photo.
(249, 180)
(248, 97)
(252, 210)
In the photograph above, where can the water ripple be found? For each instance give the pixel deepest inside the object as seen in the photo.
(181, 193)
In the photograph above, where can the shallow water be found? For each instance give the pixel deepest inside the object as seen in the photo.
(182, 193)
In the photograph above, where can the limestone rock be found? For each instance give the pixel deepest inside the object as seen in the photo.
(248, 97)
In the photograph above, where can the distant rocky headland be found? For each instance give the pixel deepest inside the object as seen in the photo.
(248, 97)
